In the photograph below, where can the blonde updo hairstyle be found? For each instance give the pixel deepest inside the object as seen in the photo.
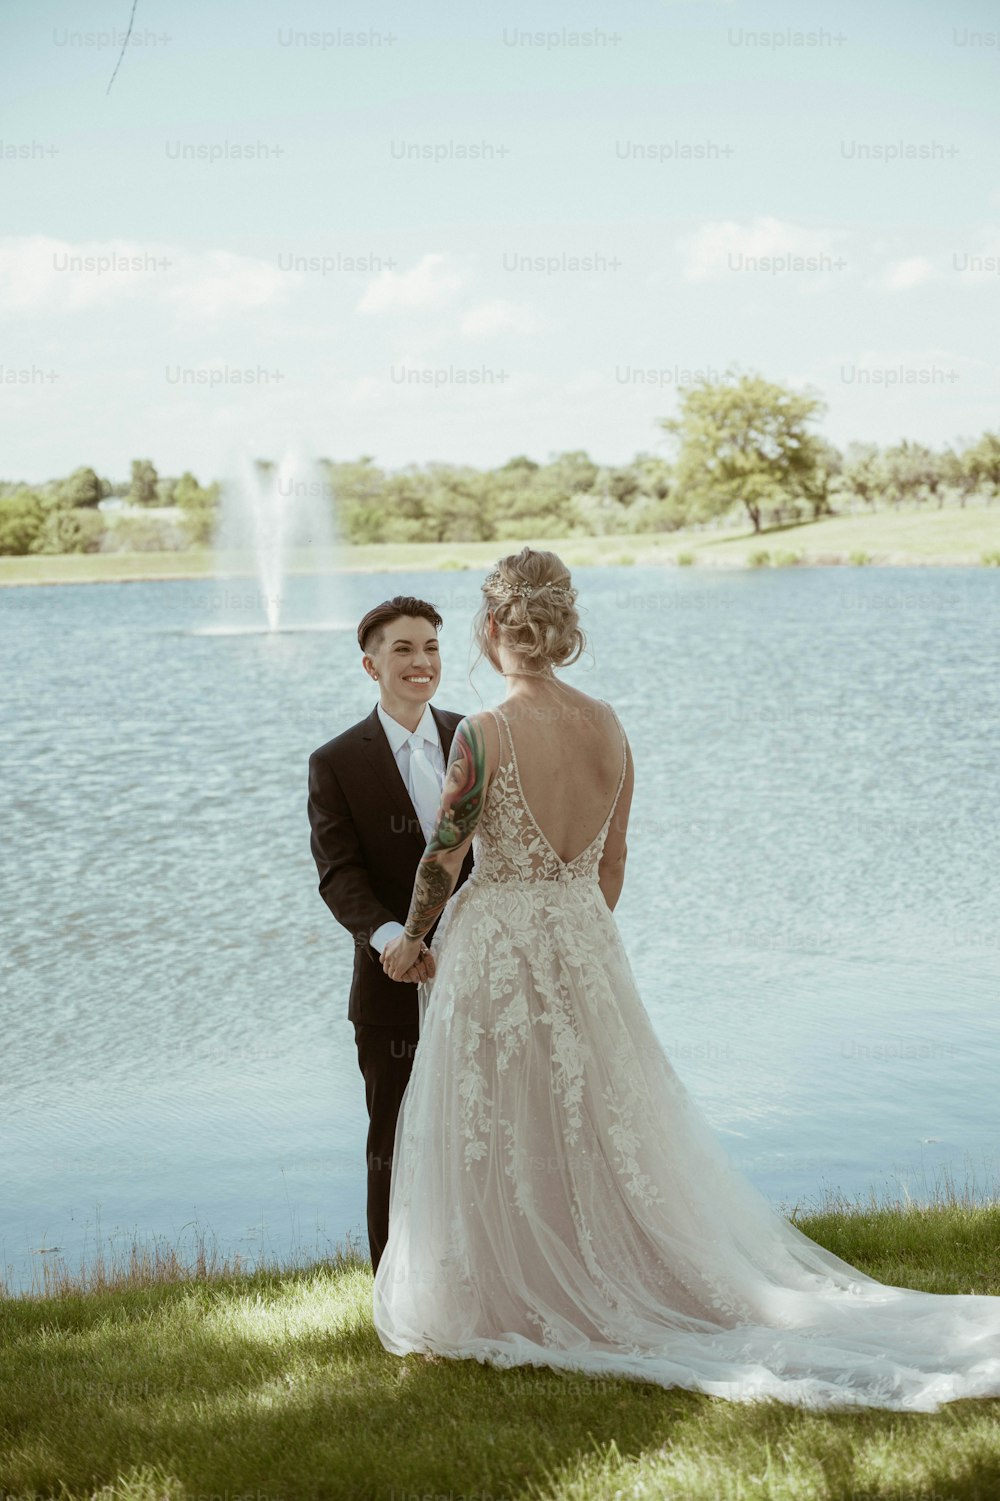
(534, 605)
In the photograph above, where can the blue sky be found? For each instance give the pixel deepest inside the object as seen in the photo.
(442, 232)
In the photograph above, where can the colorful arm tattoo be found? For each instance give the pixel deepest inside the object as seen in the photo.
(458, 814)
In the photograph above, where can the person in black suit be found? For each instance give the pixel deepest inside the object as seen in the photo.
(373, 798)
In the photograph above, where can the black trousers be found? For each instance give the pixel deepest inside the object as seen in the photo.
(385, 1057)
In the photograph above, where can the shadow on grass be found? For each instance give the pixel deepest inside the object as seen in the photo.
(805, 525)
(274, 1386)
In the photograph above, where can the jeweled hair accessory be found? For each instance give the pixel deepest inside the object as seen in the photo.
(495, 583)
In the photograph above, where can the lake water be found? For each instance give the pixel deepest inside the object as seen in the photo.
(812, 902)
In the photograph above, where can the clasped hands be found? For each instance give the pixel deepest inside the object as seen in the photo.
(407, 959)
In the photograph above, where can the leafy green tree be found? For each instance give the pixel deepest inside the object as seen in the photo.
(913, 472)
(654, 475)
(83, 488)
(829, 468)
(596, 513)
(142, 490)
(62, 531)
(187, 493)
(519, 465)
(571, 473)
(545, 501)
(22, 516)
(605, 509)
(199, 508)
(745, 441)
(407, 492)
(455, 510)
(981, 464)
(863, 473)
(954, 479)
(522, 500)
(656, 506)
(358, 499)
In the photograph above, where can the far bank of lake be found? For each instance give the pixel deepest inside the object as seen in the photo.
(950, 537)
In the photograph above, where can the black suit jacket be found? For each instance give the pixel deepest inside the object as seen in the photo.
(367, 843)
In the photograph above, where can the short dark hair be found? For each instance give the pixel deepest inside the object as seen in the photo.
(373, 624)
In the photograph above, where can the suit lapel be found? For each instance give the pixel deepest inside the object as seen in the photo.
(383, 763)
(445, 730)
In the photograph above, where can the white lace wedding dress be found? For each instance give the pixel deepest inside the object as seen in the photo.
(558, 1199)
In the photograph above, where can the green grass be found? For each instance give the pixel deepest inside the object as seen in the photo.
(950, 536)
(273, 1384)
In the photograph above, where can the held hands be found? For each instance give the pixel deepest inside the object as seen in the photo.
(408, 959)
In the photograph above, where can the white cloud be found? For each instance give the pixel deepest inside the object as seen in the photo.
(433, 281)
(899, 276)
(722, 247)
(497, 317)
(39, 274)
(217, 282)
(27, 274)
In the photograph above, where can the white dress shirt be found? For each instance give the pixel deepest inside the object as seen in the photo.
(398, 737)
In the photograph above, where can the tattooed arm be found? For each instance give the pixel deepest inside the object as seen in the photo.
(461, 806)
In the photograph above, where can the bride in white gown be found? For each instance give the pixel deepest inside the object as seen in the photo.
(557, 1197)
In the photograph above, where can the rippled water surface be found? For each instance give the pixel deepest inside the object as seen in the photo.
(812, 903)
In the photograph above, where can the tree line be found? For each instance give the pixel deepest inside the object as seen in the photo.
(739, 444)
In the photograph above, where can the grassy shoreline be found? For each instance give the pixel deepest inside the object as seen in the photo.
(945, 538)
(273, 1383)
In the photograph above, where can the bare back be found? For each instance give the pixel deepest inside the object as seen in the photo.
(568, 754)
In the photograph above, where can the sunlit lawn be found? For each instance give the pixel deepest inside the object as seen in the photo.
(274, 1384)
(949, 535)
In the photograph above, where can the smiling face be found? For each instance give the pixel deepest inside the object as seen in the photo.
(406, 660)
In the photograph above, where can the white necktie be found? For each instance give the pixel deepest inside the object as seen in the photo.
(425, 784)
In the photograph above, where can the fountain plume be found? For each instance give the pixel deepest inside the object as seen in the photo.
(274, 517)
